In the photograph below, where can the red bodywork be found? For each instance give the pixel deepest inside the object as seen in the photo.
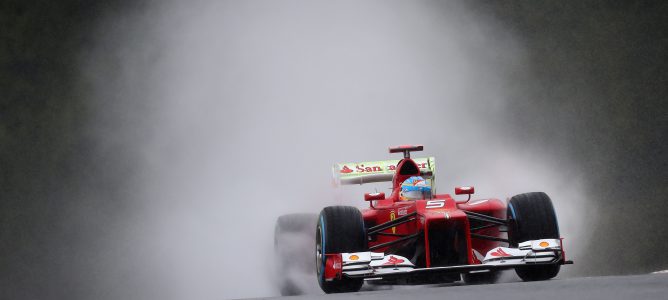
(438, 232)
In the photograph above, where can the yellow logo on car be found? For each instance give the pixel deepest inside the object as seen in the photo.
(392, 217)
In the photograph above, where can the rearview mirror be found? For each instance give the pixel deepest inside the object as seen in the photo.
(374, 196)
(464, 190)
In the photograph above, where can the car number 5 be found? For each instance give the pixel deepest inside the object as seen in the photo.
(435, 203)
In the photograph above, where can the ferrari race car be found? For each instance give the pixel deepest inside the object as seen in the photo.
(416, 236)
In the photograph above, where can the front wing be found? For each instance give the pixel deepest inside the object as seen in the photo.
(374, 265)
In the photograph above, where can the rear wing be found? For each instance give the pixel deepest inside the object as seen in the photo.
(378, 171)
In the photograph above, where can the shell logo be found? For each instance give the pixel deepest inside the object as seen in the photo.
(544, 244)
(353, 257)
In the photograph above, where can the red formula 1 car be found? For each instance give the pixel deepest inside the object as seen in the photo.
(429, 239)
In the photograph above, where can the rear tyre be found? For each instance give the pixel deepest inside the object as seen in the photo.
(531, 216)
(293, 234)
(340, 229)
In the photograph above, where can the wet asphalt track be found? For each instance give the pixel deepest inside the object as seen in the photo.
(637, 287)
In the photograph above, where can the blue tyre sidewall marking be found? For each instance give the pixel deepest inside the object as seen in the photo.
(322, 248)
(512, 211)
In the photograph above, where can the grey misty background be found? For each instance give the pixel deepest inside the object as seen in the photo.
(148, 147)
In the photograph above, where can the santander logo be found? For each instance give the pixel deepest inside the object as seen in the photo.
(361, 168)
(393, 261)
(499, 252)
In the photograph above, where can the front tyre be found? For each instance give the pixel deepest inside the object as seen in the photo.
(340, 229)
(531, 216)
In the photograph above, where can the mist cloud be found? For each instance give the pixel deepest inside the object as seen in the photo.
(232, 114)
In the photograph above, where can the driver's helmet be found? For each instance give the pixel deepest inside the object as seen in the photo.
(414, 188)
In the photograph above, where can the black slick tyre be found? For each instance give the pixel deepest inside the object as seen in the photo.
(340, 229)
(531, 216)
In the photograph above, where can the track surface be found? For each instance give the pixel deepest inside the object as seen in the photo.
(638, 287)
